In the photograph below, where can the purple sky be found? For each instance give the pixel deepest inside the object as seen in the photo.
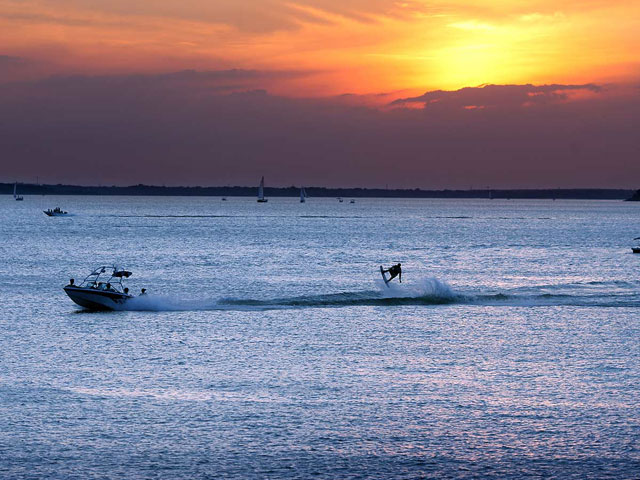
(190, 128)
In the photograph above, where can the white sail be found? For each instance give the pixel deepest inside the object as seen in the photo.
(15, 192)
(261, 191)
(303, 195)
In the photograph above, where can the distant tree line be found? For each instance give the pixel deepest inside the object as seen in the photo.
(151, 190)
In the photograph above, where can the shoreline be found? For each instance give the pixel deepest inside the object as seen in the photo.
(320, 192)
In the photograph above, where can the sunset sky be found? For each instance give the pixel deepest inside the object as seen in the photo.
(322, 92)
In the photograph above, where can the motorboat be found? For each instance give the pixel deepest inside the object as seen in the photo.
(102, 289)
(636, 249)
(56, 212)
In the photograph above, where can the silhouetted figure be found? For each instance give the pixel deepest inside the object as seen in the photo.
(394, 271)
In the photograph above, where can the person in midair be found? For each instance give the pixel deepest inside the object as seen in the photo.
(394, 271)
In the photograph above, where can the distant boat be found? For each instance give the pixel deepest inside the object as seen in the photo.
(261, 198)
(303, 195)
(352, 201)
(340, 199)
(224, 199)
(636, 249)
(16, 197)
(56, 212)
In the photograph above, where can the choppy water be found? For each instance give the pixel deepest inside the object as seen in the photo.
(269, 348)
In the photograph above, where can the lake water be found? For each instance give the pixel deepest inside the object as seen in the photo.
(268, 347)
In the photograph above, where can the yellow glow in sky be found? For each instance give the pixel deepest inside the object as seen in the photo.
(359, 47)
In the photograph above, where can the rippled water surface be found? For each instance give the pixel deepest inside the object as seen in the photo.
(268, 347)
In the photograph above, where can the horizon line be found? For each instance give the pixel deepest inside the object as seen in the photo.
(386, 188)
(324, 192)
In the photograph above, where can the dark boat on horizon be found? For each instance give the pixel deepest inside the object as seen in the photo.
(56, 212)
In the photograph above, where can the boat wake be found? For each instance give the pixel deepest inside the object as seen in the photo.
(167, 303)
(427, 292)
(427, 287)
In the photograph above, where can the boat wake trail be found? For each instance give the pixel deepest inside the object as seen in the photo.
(427, 287)
(428, 291)
(167, 303)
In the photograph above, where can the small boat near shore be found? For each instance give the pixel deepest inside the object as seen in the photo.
(261, 198)
(636, 248)
(56, 212)
(17, 197)
(102, 289)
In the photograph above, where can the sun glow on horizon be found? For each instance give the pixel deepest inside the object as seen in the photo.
(359, 47)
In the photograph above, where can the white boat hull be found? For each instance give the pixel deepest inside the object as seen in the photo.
(94, 299)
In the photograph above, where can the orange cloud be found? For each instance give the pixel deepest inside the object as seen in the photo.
(360, 46)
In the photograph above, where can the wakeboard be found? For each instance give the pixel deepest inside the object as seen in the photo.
(384, 277)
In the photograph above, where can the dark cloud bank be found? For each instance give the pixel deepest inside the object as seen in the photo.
(196, 128)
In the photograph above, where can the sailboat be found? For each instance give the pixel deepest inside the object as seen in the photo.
(261, 198)
(15, 195)
(303, 195)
